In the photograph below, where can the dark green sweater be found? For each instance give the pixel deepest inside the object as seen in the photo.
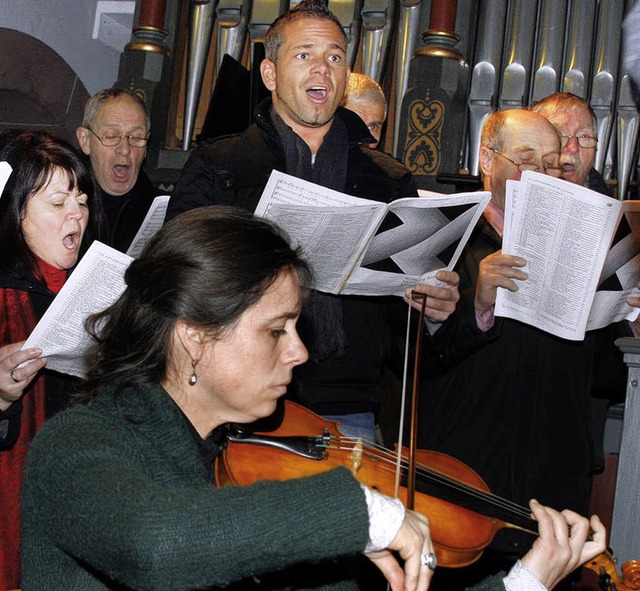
(116, 497)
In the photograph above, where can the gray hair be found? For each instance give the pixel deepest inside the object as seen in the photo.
(363, 89)
(95, 103)
(563, 100)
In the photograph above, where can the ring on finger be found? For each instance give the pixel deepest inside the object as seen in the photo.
(429, 560)
(16, 380)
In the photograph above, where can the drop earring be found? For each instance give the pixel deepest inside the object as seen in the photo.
(193, 378)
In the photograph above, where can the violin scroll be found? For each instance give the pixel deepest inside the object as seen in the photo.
(631, 573)
(605, 566)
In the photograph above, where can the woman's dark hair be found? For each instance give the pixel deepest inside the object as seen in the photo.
(206, 266)
(34, 157)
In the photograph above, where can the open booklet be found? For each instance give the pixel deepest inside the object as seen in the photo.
(582, 251)
(94, 285)
(364, 247)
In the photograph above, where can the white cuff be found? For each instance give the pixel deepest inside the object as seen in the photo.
(385, 518)
(520, 578)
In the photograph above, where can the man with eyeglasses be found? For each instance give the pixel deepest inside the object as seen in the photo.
(114, 135)
(574, 121)
(506, 398)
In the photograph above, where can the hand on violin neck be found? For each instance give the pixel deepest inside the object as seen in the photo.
(566, 541)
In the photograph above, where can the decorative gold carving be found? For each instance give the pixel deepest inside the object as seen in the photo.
(424, 142)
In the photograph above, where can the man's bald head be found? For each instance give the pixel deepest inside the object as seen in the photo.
(515, 136)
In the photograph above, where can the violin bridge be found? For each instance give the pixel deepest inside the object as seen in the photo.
(356, 457)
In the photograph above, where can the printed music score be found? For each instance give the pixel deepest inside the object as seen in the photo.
(365, 247)
(583, 256)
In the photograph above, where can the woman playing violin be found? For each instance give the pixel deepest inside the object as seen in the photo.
(119, 489)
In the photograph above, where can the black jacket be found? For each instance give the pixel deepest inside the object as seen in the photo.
(125, 213)
(515, 402)
(234, 170)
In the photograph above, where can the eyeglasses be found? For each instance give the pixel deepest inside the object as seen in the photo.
(584, 141)
(555, 171)
(111, 141)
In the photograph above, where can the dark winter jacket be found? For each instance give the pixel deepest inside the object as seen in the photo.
(125, 213)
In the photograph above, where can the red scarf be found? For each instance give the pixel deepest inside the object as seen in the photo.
(54, 278)
(17, 320)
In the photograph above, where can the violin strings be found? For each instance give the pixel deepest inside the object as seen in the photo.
(388, 458)
(468, 490)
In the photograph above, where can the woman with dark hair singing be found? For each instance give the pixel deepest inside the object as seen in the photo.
(48, 214)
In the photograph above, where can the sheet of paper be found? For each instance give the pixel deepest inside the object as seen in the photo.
(331, 228)
(150, 225)
(620, 273)
(94, 285)
(611, 306)
(284, 189)
(361, 246)
(511, 195)
(5, 173)
(330, 237)
(564, 232)
(418, 237)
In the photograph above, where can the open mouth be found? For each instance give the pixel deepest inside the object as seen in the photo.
(121, 170)
(318, 93)
(71, 241)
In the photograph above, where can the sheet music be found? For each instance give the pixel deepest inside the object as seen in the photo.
(361, 246)
(94, 285)
(150, 225)
(564, 231)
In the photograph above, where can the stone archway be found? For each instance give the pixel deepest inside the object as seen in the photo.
(38, 89)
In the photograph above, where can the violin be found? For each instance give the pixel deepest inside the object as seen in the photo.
(463, 514)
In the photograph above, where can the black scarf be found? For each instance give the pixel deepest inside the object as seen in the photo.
(323, 311)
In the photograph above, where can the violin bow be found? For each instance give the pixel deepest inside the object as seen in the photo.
(413, 432)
